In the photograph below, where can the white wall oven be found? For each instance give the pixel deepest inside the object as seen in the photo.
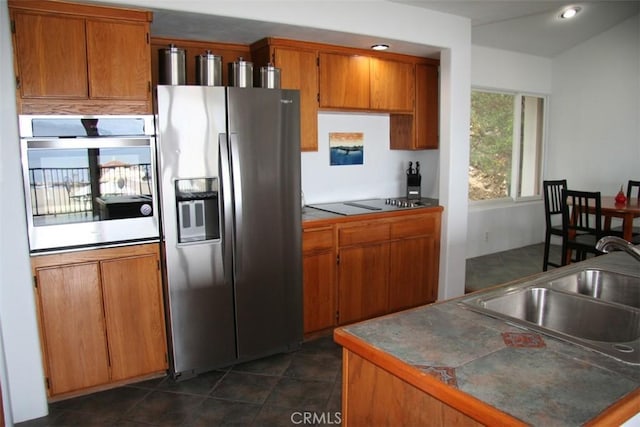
(88, 180)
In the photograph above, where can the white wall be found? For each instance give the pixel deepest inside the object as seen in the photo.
(19, 334)
(593, 135)
(500, 226)
(594, 132)
(511, 71)
(21, 372)
(383, 173)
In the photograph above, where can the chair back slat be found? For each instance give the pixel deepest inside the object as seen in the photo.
(552, 192)
(583, 212)
(553, 198)
(633, 190)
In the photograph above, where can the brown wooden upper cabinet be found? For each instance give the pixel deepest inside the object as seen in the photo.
(344, 81)
(119, 60)
(79, 58)
(367, 83)
(427, 107)
(391, 85)
(298, 71)
(419, 130)
(50, 49)
(298, 64)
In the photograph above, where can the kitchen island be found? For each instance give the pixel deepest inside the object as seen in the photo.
(443, 364)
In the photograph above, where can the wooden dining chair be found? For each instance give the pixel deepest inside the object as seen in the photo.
(633, 197)
(552, 213)
(581, 224)
(633, 190)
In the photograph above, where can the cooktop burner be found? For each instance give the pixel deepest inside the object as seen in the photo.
(360, 207)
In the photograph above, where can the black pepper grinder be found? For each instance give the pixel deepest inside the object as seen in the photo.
(414, 182)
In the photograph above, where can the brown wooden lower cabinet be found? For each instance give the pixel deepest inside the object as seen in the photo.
(134, 316)
(318, 267)
(363, 283)
(101, 317)
(365, 266)
(72, 326)
(414, 262)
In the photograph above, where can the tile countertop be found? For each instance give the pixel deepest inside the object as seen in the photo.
(533, 377)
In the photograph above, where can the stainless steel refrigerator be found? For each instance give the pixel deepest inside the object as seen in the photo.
(229, 177)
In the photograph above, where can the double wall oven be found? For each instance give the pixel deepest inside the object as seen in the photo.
(88, 180)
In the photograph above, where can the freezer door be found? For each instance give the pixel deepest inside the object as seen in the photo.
(264, 145)
(198, 268)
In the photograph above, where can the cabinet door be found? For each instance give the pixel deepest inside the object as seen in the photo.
(427, 108)
(412, 275)
(119, 60)
(363, 284)
(319, 291)
(50, 56)
(299, 70)
(344, 81)
(134, 316)
(392, 85)
(72, 327)
(414, 261)
(319, 280)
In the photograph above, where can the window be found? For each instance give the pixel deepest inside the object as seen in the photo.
(507, 132)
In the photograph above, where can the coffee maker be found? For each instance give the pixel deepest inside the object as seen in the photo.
(413, 182)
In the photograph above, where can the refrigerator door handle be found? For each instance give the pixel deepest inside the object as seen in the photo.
(234, 155)
(227, 197)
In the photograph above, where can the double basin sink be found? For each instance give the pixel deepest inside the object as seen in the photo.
(594, 308)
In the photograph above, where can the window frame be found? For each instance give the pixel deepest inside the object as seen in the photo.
(516, 147)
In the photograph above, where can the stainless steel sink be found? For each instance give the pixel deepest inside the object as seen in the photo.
(592, 308)
(567, 314)
(602, 284)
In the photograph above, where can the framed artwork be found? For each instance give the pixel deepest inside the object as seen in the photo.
(346, 148)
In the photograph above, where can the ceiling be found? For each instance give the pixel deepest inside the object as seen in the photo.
(526, 26)
(534, 27)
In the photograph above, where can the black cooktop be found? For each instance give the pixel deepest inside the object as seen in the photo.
(360, 207)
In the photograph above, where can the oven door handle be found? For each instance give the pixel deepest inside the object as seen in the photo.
(84, 143)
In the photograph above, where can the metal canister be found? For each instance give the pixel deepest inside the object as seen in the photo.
(172, 66)
(241, 73)
(209, 69)
(270, 77)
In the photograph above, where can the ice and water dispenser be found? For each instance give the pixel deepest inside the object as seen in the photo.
(198, 209)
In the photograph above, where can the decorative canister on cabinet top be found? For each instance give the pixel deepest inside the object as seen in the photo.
(172, 66)
(241, 73)
(209, 69)
(270, 77)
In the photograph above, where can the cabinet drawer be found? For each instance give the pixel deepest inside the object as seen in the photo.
(416, 226)
(314, 240)
(363, 234)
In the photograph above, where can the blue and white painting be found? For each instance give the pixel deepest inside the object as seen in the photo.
(346, 148)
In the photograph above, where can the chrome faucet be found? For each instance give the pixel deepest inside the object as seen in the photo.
(609, 243)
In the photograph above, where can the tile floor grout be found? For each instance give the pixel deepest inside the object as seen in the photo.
(262, 393)
(266, 392)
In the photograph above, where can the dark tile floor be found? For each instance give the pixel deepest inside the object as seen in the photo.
(502, 267)
(266, 392)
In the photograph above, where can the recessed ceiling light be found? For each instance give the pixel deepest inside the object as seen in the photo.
(569, 12)
(380, 47)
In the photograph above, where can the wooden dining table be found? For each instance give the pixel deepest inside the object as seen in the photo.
(626, 211)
